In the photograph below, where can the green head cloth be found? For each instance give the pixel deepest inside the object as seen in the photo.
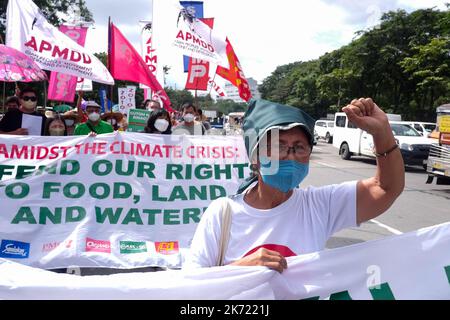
(263, 116)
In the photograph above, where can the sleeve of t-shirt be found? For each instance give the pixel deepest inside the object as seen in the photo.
(204, 246)
(77, 131)
(10, 121)
(342, 207)
(3, 123)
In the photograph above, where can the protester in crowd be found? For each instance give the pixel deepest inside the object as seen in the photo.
(113, 118)
(189, 126)
(12, 103)
(11, 123)
(55, 127)
(152, 105)
(123, 124)
(71, 120)
(94, 125)
(159, 123)
(202, 118)
(82, 117)
(271, 218)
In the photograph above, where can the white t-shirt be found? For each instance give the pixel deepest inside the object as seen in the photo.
(300, 225)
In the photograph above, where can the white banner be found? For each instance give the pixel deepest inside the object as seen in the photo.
(122, 200)
(410, 266)
(127, 99)
(175, 27)
(84, 85)
(28, 31)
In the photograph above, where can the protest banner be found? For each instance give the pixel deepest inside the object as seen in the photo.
(411, 266)
(137, 120)
(121, 200)
(84, 85)
(127, 99)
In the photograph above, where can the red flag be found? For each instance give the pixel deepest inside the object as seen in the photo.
(125, 63)
(235, 74)
(198, 75)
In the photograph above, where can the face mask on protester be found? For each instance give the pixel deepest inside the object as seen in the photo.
(69, 122)
(289, 175)
(29, 105)
(161, 125)
(189, 118)
(94, 116)
(57, 132)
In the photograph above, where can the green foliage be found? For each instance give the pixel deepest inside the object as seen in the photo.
(403, 64)
(50, 9)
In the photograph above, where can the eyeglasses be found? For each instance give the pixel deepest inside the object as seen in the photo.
(26, 98)
(298, 150)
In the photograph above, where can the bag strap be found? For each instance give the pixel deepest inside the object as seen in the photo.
(225, 216)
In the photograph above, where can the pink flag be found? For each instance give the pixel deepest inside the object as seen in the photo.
(62, 86)
(125, 63)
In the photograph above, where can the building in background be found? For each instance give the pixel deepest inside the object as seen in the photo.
(232, 93)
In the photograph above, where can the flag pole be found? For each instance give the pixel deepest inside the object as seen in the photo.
(4, 95)
(108, 62)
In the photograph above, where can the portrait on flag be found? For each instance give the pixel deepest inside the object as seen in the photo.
(175, 27)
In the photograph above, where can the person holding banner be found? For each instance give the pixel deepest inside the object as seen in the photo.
(159, 122)
(152, 105)
(94, 125)
(55, 126)
(25, 120)
(189, 126)
(271, 219)
(113, 118)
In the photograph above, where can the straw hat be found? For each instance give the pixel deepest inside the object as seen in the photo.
(50, 114)
(72, 114)
(116, 115)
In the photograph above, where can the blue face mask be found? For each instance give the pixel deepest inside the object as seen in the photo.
(289, 175)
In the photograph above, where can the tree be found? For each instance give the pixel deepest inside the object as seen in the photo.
(52, 10)
(429, 68)
(402, 64)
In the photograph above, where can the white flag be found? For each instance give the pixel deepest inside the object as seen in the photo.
(28, 31)
(175, 27)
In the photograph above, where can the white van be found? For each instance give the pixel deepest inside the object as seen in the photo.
(324, 129)
(352, 141)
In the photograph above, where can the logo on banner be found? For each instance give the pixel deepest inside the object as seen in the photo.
(14, 249)
(167, 248)
(198, 75)
(50, 246)
(93, 245)
(132, 247)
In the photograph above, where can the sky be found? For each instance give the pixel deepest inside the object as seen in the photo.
(265, 34)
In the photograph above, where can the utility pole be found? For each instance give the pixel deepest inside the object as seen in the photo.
(339, 90)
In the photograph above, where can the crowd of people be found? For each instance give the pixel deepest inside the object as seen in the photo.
(87, 119)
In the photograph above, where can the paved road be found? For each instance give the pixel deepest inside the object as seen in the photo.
(419, 206)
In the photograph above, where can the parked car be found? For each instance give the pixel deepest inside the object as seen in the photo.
(352, 141)
(324, 129)
(424, 128)
(414, 147)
